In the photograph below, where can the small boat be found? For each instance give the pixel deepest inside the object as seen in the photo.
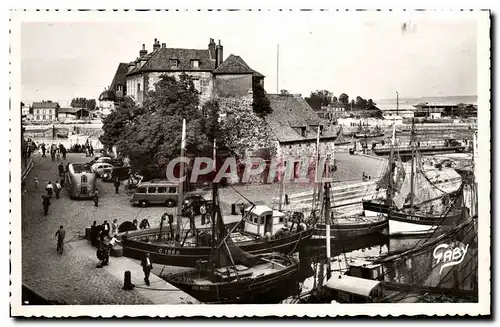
(62, 135)
(233, 276)
(351, 227)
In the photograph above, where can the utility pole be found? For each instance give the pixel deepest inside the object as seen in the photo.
(397, 103)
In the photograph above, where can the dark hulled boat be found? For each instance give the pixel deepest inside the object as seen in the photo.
(351, 227)
(135, 245)
(231, 275)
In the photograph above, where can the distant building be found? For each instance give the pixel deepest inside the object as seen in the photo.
(45, 111)
(69, 114)
(211, 74)
(25, 111)
(401, 110)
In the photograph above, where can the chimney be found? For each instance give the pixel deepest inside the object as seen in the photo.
(211, 49)
(219, 55)
(156, 45)
(143, 52)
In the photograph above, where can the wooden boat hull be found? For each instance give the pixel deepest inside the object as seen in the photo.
(407, 152)
(405, 224)
(342, 232)
(361, 136)
(243, 291)
(189, 256)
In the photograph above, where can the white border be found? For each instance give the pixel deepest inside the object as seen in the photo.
(483, 307)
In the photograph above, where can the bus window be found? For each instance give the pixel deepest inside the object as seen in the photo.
(141, 190)
(162, 189)
(84, 179)
(152, 189)
(172, 190)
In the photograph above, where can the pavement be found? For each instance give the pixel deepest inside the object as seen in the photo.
(73, 278)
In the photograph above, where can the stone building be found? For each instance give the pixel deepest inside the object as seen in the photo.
(109, 98)
(295, 127)
(212, 75)
(45, 111)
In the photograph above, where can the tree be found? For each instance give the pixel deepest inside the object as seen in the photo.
(150, 135)
(261, 105)
(370, 103)
(353, 104)
(360, 103)
(83, 103)
(319, 98)
(335, 100)
(344, 99)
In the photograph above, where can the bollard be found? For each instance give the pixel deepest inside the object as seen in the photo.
(127, 281)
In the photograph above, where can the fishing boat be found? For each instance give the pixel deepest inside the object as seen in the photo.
(231, 275)
(260, 230)
(369, 134)
(420, 202)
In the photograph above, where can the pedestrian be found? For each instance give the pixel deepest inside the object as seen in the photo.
(105, 230)
(49, 188)
(52, 154)
(58, 154)
(60, 234)
(203, 212)
(60, 169)
(95, 197)
(57, 189)
(91, 150)
(144, 224)
(43, 150)
(135, 223)
(36, 182)
(117, 184)
(46, 204)
(114, 227)
(103, 255)
(63, 151)
(190, 214)
(94, 232)
(147, 266)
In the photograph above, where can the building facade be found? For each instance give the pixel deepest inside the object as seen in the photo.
(212, 75)
(45, 111)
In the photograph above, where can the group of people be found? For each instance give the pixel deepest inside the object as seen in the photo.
(50, 189)
(56, 151)
(104, 238)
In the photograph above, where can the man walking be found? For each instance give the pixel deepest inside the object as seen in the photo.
(57, 189)
(60, 234)
(95, 197)
(147, 266)
(49, 188)
(60, 169)
(43, 150)
(117, 184)
(203, 211)
(45, 203)
(105, 230)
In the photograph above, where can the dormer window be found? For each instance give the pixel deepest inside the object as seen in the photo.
(195, 63)
(320, 129)
(174, 63)
(303, 131)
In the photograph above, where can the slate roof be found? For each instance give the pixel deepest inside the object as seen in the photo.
(159, 60)
(71, 110)
(290, 113)
(120, 76)
(107, 95)
(45, 105)
(236, 65)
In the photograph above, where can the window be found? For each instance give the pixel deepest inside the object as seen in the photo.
(303, 131)
(119, 88)
(195, 63)
(174, 63)
(138, 87)
(320, 129)
(262, 220)
(83, 179)
(172, 190)
(37, 117)
(162, 189)
(282, 219)
(141, 190)
(44, 117)
(255, 219)
(152, 189)
(50, 117)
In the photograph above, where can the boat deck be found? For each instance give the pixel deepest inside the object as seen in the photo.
(256, 271)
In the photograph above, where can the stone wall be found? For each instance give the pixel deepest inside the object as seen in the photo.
(203, 82)
(133, 83)
(233, 85)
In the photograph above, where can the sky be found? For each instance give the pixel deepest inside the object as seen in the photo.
(359, 53)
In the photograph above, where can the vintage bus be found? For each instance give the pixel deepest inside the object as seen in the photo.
(80, 180)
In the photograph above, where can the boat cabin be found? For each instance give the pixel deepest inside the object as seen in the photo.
(262, 220)
(365, 269)
(349, 289)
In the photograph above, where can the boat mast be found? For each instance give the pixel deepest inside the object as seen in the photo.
(326, 201)
(391, 171)
(412, 140)
(316, 172)
(214, 193)
(181, 184)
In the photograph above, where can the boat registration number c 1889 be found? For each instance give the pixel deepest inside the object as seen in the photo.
(169, 251)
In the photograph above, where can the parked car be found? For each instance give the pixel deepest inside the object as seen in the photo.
(193, 201)
(156, 192)
(100, 168)
(120, 172)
